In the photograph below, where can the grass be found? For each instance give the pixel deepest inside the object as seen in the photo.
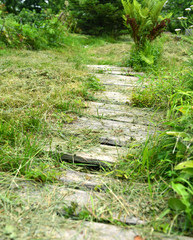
(37, 212)
(43, 90)
(39, 92)
(169, 88)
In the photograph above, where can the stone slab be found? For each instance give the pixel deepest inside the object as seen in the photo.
(90, 199)
(39, 197)
(119, 141)
(112, 109)
(126, 73)
(128, 115)
(118, 80)
(82, 230)
(107, 68)
(68, 196)
(101, 231)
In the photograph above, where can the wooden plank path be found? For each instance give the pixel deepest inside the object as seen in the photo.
(110, 116)
(118, 125)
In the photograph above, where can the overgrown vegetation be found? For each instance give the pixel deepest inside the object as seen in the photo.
(31, 30)
(179, 9)
(43, 90)
(168, 156)
(39, 89)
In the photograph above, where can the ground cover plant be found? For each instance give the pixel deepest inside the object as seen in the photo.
(32, 93)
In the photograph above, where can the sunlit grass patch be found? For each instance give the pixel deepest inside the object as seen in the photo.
(39, 92)
(162, 83)
(109, 54)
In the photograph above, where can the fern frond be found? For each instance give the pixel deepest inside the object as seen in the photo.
(156, 7)
(144, 20)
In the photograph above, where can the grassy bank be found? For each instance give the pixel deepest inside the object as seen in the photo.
(166, 159)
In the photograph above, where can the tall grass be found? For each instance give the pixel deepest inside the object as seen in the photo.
(167, 156)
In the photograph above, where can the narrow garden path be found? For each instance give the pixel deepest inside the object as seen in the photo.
(81, 195)
(111, 117)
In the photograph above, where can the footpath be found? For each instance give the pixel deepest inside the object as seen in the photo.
(79, 194)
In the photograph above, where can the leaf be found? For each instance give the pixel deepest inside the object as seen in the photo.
(148, 59)
(188, 172)
(180, 189)
(163, 214)
(176, 204)
(184, 165)
(178, 134)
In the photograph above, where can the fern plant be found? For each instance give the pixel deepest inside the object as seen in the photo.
(144, 20)
(145, 23)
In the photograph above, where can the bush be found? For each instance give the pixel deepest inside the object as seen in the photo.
(97, 17)
(32, 30)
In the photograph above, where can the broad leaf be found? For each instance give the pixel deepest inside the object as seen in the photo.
(178, 134)
(176, 204)
(184, 165)
(180, 189)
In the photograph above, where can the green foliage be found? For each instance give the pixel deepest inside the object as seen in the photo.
(32, 30)
(144, 20)
(15, 6)
(19, 150)
(170, 154)
(178, 10)
(154, 159)
(145, 58)
(93, 83)
(188, 79)
(145, 24)
(97, 17)
(182, 206)
(11, 5)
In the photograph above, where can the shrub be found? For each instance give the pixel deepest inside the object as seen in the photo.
(15, 6)
(32, 30)
(145, 57)
(97, 17)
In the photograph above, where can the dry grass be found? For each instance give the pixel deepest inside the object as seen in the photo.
(30, 211)
(112, 54)
(38, 80)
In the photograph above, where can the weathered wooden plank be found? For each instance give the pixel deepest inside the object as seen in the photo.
(101, 155)
(113, 70)
(113, 97)
(81, 179)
